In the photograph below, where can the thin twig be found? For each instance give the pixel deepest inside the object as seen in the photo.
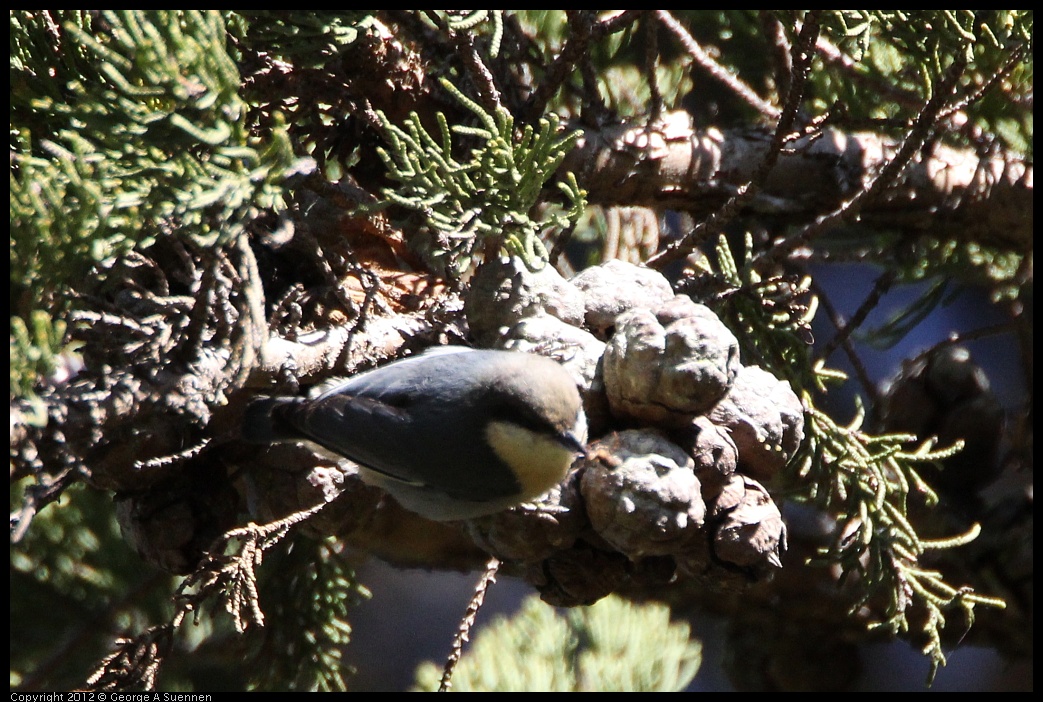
(135, 662)
(748, 94)
(781, 54)
(463, 632)
(581, 24)
(831, 54)
(651, 59)
(917, 136)
(852, 354)
(881, 286)
(488, 93)
(801, 65)
(1002, 72)
(464, 46)
(584, 30)
(617, 23)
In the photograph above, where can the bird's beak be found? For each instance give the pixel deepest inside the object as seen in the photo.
(571, 441)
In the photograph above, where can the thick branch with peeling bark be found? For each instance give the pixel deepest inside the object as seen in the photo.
(948, 192)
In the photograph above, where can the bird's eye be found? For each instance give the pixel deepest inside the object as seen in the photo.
(523, 415)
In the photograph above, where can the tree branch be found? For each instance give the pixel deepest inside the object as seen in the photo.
(950, 191)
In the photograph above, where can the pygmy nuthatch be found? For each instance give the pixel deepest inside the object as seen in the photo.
(452, 433)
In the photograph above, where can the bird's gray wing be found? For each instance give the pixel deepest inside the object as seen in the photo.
(389, 419)
(370, 431)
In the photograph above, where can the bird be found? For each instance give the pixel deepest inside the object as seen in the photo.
(452, 433)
